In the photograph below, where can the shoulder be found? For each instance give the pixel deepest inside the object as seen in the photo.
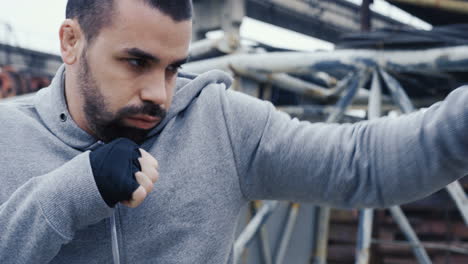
(18, 112)
(200, 81)
(17, 105)
(214, 90)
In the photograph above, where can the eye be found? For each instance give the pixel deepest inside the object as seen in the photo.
(174, 68)
(137, 63)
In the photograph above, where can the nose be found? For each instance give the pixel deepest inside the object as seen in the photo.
(155, 90)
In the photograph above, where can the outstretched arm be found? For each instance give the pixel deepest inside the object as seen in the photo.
(368, 164)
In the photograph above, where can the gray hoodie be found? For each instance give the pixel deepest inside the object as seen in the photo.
(217, 150)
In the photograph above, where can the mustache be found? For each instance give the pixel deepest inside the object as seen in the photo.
(147, 108)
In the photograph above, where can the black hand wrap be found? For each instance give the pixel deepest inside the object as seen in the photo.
(114, 166)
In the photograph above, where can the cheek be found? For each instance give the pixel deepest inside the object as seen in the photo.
(113, 81)
(117, 93)
(118, 89)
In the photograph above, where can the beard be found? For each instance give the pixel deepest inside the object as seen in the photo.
(106, 125)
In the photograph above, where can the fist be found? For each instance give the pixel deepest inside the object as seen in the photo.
(147, 177)
(123, 172)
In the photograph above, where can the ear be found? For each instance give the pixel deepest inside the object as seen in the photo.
(71, 41)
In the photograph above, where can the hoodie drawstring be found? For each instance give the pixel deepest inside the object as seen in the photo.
(115, 241)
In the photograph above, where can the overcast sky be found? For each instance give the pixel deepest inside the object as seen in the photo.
(34, 24)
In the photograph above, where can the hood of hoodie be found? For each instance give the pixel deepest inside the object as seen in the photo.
(52, 107)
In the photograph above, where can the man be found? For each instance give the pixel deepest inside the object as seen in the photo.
(79, 187)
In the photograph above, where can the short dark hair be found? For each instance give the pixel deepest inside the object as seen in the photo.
(93, 15)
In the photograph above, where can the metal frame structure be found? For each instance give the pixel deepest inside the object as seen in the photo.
(325, 20)
(278, 68)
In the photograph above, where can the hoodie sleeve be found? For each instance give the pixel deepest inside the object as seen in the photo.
(368, 164)
(44, 213)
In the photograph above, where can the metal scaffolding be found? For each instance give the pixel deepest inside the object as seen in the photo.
(364, 67)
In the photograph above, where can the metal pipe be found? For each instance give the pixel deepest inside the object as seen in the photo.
(265, 246)
(342, 105)
(459, 196)
(287, 232)
(402, 221)
(366, 216)
(287, 82)
(252, 228)
(202, 47)
(448, 5)
(263, 237)
(296, 85)
(451, 58)
(320, 253)
(398, 93)
(375, 98)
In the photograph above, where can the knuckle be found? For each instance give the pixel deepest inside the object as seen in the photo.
(149, 188)
(150, 184)
(140, 197)
(143, 197)
(138, 178)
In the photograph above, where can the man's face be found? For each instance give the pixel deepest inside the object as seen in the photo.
(127, 75)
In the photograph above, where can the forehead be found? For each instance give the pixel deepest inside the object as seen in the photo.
(135, 24)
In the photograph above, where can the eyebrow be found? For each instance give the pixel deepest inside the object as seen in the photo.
(141, 54)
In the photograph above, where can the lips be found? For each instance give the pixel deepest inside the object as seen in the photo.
(143, 121)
